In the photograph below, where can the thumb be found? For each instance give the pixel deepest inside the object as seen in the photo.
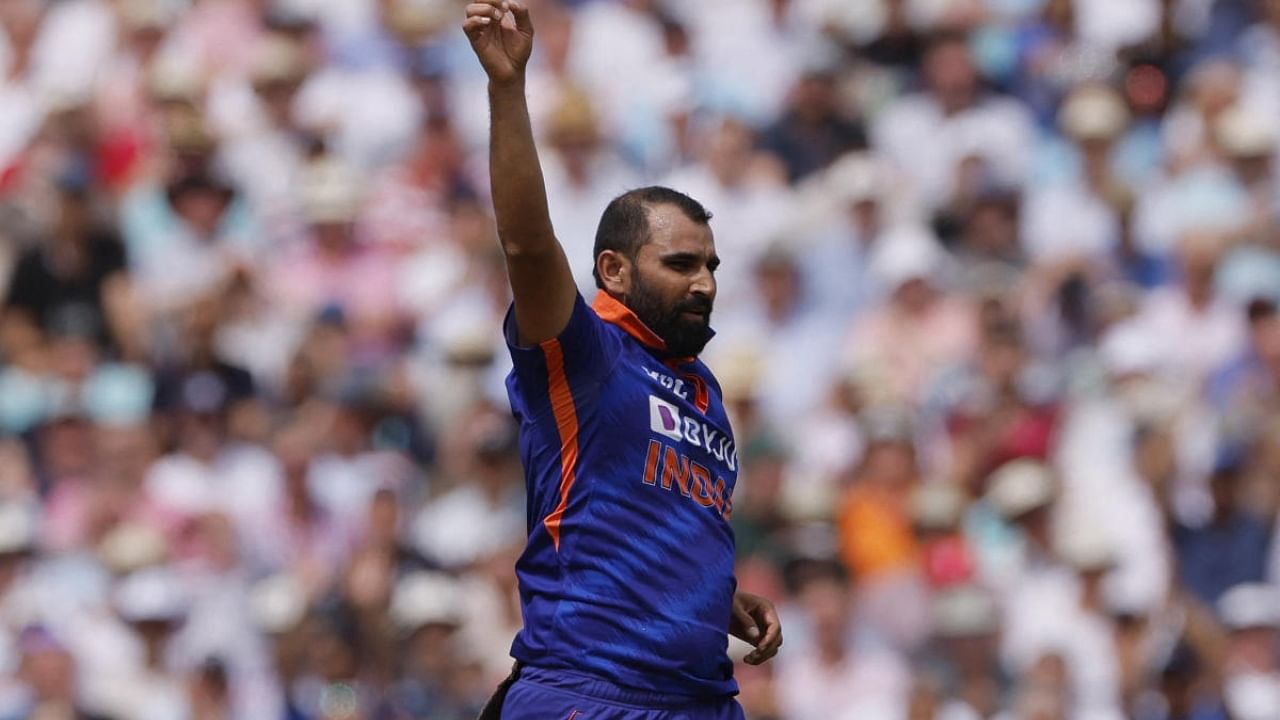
(520, 12)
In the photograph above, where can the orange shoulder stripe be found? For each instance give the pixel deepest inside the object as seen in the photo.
(566, 415)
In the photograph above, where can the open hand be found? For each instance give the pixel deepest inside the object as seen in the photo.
(501, 35)
(755, 620)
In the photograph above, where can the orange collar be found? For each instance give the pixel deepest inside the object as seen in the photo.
(611, 310)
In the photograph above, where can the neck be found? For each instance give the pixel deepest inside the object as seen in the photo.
(779, 312)
(831, 653)
(1198, 296)
(612, 310)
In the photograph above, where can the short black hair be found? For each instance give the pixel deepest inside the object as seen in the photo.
(943, 38)
(1260, 309)
(624, 226)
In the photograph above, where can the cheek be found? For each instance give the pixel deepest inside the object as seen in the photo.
(672, 298)
(661, 285)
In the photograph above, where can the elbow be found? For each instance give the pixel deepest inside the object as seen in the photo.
(529, 249)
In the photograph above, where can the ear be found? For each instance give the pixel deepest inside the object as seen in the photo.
(615, 271)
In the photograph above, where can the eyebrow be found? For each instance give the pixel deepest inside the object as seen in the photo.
(712, 262)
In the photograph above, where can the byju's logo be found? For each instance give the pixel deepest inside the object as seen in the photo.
(664, 418)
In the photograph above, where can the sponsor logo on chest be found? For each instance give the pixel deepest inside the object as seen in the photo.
(669, 466)
(666, 420)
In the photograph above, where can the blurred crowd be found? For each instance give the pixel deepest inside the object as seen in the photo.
(997, 326)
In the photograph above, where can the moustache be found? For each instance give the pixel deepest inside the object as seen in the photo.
(695, 304)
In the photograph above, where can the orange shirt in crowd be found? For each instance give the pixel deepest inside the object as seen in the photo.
(875, 532)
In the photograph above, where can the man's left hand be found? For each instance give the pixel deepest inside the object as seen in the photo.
(755, 620)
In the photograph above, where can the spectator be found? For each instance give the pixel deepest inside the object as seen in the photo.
(838, 677)
(964, 655)
(48, 673)
(919, 330)
(814, 130)
(74, 281)
(929, 135)
(1206, 568)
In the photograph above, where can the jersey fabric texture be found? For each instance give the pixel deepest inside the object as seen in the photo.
(551, 695)
(630, 467)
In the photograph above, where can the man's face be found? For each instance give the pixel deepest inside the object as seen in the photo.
(674, 286)
(49, 671)
(1265, 333)
(1254, 648)
(951, 75)
(828, 605)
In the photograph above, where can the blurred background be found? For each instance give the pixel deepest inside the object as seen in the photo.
(997, 328)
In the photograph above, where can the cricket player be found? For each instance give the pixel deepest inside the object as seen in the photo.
(627, 581)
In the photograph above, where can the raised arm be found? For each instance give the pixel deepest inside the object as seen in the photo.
(501, 35)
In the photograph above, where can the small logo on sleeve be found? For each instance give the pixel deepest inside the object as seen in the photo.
(664, 418)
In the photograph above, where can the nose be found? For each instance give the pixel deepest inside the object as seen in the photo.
(704, 283)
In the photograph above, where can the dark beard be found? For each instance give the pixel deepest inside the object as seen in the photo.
(684, 337)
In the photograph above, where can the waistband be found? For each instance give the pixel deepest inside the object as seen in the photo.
(598, 688)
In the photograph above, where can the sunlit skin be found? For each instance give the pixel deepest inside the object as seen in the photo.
(951, 76)
(671, 284)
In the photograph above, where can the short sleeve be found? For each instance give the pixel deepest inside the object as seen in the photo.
(583, 353)
(109, 254)
(29, 288)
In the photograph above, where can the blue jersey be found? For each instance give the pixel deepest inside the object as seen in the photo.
(630, 467)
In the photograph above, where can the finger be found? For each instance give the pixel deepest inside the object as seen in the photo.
(765, 654)
(747, 623)
(485, 9)
(765, 651)
(474, 25)
(772, 638)
(521, 13)
(771, 645)
(766, 616)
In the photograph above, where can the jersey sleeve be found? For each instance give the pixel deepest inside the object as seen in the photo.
(582, 354)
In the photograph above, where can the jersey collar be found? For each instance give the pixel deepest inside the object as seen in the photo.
(611, 310)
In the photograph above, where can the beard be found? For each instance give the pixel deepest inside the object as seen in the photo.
(685, 337)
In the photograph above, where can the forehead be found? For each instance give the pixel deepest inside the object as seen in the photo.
(670, 231)
(947, 53)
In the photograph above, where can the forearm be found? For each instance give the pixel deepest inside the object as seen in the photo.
(519, 193)
(541, 283)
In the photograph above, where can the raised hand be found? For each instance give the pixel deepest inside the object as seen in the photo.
(501, 35)
(542, 286)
